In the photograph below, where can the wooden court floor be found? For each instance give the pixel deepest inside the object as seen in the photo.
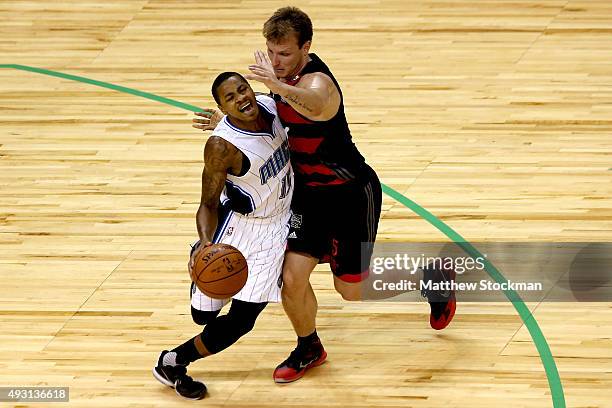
(496, 116)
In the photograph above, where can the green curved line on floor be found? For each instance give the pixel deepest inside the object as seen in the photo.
(554, 381)
(107, 85)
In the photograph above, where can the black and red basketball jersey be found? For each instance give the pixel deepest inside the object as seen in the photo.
(322, 152)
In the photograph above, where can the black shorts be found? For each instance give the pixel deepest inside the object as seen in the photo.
(338, 225)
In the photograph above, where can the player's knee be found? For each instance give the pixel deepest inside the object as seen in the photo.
(203, 317)
(241, 325)
(245, 326)
(293, 283)
(296, 275)
(293, 292)
(351, 296)
(243, 315)
(246, 323)
(348, 291)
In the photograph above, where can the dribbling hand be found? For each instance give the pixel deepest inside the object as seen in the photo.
(195, 253)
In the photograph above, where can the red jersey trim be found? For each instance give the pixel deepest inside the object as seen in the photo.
(331, 183)
(304, 144)
(289, 115)
(315, 169)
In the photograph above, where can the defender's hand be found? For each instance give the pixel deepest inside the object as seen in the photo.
(263, 72)
(208, 119)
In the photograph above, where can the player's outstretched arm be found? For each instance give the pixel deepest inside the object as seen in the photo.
(315, 96)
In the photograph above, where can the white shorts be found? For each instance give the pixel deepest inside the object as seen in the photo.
(262, 241)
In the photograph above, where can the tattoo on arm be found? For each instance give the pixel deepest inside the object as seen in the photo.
(212, 185)
(217, 160)
(314, 96)
(296, 100)
(219, 157)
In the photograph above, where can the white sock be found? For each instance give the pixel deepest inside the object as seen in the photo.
(170, 359)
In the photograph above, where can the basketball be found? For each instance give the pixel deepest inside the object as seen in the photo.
(219, 271)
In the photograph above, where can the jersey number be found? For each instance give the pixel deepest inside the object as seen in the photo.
(286, 187)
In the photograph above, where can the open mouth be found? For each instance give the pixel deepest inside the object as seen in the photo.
(246, 107)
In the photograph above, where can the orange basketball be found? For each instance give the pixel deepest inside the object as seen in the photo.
(219, 271)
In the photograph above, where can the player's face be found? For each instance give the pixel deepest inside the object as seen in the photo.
(237, 100)
(286, 57)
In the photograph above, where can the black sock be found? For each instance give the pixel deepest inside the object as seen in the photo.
(308, 340)
(187, 352)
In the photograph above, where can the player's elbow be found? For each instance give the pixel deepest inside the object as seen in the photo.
(207, 208)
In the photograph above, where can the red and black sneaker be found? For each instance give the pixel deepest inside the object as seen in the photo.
(442, 301)
(300, 360)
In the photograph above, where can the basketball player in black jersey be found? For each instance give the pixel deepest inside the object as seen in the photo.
(337, 200)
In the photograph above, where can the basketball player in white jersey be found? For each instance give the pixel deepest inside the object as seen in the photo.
(247, 185)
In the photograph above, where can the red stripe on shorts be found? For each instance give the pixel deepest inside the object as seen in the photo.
(355, 278)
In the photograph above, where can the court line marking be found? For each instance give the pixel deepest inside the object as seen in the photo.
(107, 85)
(548, 361)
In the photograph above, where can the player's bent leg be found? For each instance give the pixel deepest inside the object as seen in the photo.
(300, 304)
(220, 333)
(225, 330)
(350, 291)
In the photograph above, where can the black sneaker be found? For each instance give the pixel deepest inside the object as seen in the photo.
(441, 302)
(189, 388)
(177, 378)
(300, 360)
(167, 374)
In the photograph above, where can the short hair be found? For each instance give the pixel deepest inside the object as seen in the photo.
(221, 78)
(286, 21)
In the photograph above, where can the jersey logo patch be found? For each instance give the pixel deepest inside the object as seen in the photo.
(296, 220)
(275, 163)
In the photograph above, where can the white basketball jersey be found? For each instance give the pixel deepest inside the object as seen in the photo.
(255, 213)
(266, 189)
